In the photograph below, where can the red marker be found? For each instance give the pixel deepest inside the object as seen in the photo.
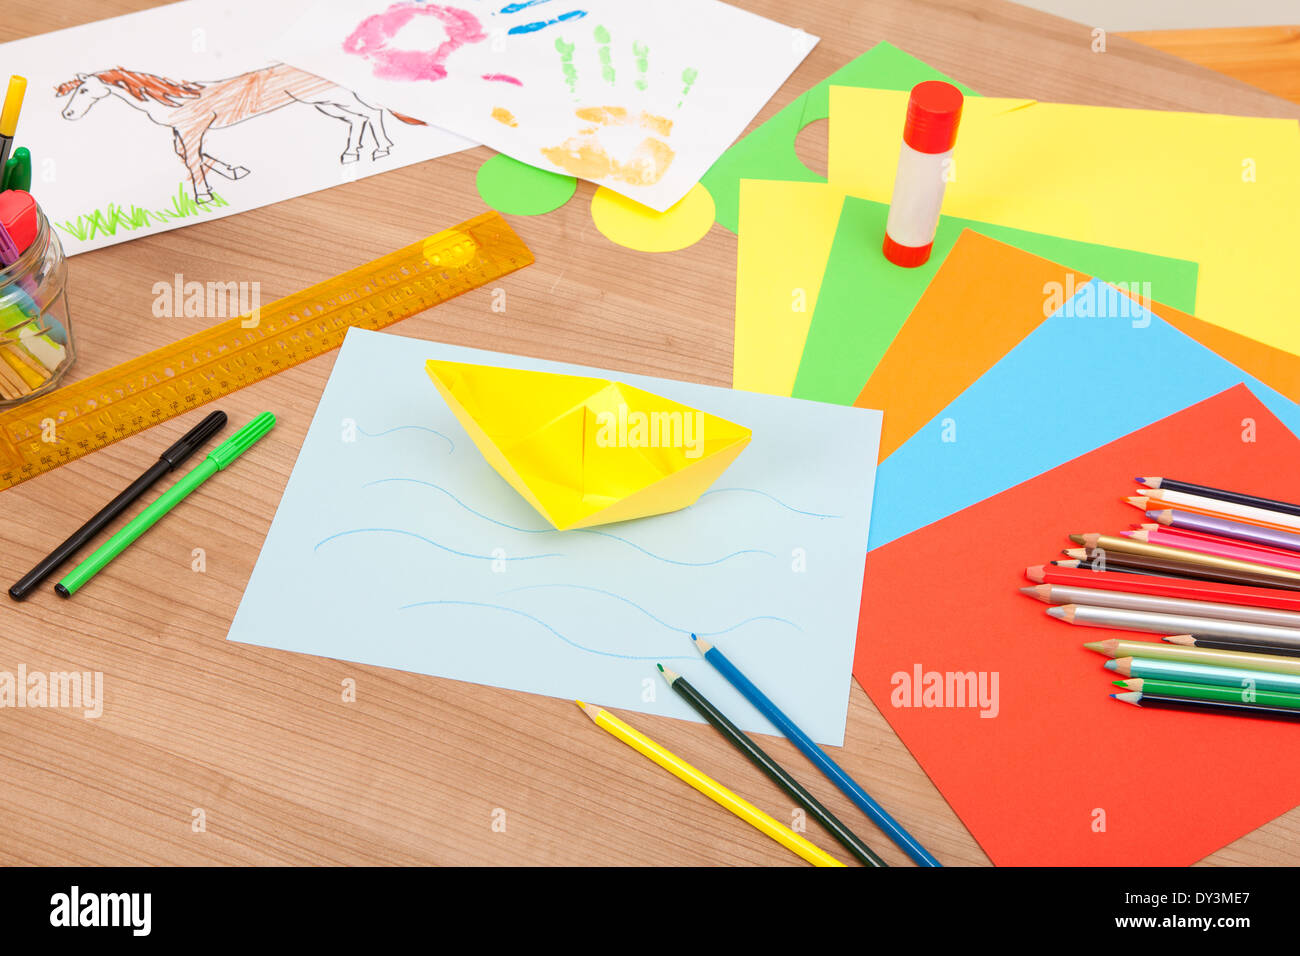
(933, 112)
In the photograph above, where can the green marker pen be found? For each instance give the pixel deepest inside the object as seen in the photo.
(221, 456)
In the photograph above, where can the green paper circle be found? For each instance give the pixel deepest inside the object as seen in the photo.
(510, 186)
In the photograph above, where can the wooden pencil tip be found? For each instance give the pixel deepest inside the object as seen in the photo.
(1090, 540)
(669, 675)
(1064, 612)
(1095, 646)
(1079, 554)
(1165, 517)
(588, 709)
(1140, 535)
(1077, 538)
(701, 644)
(1185, 639)
(1129, 698)
(1149, 482)
(1137, 501)
(1036, 573)
(1120, 665)
(1072, 563)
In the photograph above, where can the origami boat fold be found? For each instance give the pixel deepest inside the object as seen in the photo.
(588, 451)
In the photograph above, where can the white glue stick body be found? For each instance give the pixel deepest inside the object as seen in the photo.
(924, 164)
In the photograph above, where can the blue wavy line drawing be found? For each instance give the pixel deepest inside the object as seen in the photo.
(657, 620)
(571, 643)
(442, 547)
(479, 514)
(603, 534)
(755, 491)
(398, 428)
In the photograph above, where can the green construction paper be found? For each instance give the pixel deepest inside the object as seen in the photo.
(865, 299)
(518, 189)
(768, 151)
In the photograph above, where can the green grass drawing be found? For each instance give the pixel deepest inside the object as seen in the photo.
(107, 221)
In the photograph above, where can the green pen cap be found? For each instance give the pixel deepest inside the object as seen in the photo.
(242, 440)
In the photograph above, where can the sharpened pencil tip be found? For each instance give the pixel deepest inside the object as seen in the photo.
(1036, 573)
(1056, 612)
(1111, 665)
(1077, 538)
(1095, 646)
(588, 709)
(661, 668)
(669, 675)
(701, 644)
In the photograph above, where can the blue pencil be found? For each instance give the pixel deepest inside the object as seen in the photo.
(819, 757)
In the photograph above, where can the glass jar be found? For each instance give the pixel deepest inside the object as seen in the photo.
(35, 331)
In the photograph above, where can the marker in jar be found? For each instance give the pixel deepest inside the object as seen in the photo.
(924, 164)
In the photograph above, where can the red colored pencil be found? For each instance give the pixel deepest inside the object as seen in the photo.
(1188, 588)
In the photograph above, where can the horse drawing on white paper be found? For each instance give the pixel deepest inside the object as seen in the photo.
(191, 108)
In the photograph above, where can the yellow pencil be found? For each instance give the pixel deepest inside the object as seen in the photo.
(709, 787)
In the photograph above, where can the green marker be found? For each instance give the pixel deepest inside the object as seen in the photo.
(221, 456)
(17, 171)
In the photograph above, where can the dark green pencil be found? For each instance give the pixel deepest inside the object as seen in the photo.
(760, 759)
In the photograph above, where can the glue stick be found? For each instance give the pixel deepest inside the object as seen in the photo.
(933, 112)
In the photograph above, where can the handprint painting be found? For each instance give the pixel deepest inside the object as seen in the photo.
(638, 97)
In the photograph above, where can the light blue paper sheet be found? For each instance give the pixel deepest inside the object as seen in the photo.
(1099, 368)
(396, 544)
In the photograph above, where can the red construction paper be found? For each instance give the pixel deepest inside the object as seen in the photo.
(1029, 782)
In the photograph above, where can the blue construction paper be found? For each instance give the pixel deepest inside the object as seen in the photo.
(397, 545)
(1102, 366)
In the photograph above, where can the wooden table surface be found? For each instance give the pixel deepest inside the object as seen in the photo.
(417, 769)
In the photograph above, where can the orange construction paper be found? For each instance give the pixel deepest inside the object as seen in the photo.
(986, 298)
(1059, 773)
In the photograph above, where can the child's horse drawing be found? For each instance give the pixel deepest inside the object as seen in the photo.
(191, 108)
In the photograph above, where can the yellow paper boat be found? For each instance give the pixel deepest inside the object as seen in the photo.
(588, 451)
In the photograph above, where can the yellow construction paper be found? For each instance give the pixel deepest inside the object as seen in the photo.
(785, 234)
(587, 451)
(1222, 191)
(628, 223)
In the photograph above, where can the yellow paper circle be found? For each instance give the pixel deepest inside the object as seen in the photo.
(639, 227)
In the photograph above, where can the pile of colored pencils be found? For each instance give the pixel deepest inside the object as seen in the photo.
(1217, 574)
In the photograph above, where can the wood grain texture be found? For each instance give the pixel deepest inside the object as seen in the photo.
(261, 741)
(1266, 57)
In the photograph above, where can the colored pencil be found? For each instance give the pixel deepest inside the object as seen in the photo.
(1110, 543)
(1207, 706)
(1220, 494)
(1158, 651)
(1230, 509)
(1173, 688)
(1204, 674)
(1211, 544)
(1287, 559)
(760, 758)
(1084, 559)
(814, 753)
(706, 785)
(1151, 622)
(1098, 597)
(1171, 587)
(1214, 644)
(1226, 528)
(1154, 503)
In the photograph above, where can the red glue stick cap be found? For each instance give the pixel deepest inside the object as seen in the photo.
(933, 112)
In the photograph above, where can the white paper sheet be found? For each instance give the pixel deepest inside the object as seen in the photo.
(105, 150)
(641, 98)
